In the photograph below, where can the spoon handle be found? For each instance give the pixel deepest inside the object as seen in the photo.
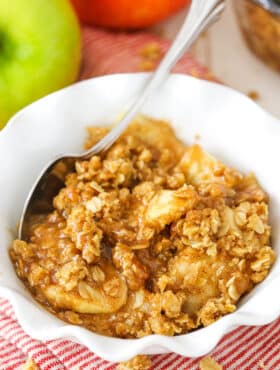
(202, 13)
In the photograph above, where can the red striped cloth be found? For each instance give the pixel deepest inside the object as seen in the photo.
(246, 348)
(106, 53)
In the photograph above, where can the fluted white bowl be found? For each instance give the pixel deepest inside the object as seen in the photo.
(231, 126)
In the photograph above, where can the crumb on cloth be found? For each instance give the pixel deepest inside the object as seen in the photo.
(140, 362)
(150, 55)
(29, 365)
(254, 95)
(208, 363)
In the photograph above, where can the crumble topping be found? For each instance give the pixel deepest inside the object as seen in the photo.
(152, 236)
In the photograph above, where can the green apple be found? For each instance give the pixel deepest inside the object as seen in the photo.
(40, 51)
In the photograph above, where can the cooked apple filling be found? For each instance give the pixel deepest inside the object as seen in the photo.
(150, 237)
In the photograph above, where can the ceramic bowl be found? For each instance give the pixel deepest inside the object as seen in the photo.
(231, 126)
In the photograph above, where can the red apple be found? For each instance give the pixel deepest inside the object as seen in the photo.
(126, 14)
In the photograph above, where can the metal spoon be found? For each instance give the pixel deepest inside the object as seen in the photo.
(202, 13)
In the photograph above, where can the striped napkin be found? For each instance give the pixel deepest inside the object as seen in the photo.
(246, 348)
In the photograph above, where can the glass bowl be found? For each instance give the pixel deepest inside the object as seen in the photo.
(260, 24)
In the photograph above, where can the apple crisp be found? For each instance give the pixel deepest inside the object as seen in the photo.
(150, 237)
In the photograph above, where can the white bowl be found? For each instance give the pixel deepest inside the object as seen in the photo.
(231, 126)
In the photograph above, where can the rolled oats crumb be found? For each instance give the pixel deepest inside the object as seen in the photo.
(147, 65)
(94, 205)
(38, 275)
(85, 290)
(162, 325)
(176, 180)
(233, 291)
(171, 304)
(242, 265)
(29, 365)
(213, 310)
(256, 224)
(112, 287)
(253, 94)
(264, 259)
(21, 248)
(150, 55)
(91, 251)
(151, 50)
(97, 274)
(139, 298)
(208, 363)
(81, 167)
(96, 186)
(71, 273)
(145, 156)
(163, 282)
(73, 317)
(240, 217)
(212, 250)
(140, 362)
(229, 225)
(84, 232)
(133, 270)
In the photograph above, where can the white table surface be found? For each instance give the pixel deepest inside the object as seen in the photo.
(223, 50)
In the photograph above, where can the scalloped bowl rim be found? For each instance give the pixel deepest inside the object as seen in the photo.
(181, 96)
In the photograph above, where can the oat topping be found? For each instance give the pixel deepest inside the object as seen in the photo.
(150, 237)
